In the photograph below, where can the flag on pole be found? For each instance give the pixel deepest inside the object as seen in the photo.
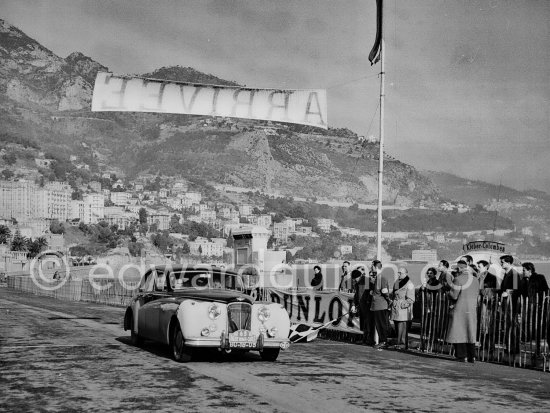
(299, 332)
(374, 55)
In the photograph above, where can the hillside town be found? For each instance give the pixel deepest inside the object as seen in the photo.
(170, 216)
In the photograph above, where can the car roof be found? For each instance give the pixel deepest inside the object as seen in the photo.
(180, 267)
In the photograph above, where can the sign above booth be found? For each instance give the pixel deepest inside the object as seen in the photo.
(484, 245)
(118, 93)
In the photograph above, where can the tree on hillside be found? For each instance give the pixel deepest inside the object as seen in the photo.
(229, 241)
(289, 257)
(142, 216)
(185, 248)
(135, 248)
(162, 240)
(36, 247)
(57, 227)
(143, 228)
(19, 242)
(10, 158)
(5, 234)
(7, 174)
(175, 223)
(80, 251)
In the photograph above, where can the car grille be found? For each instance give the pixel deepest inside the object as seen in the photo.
(239, 316)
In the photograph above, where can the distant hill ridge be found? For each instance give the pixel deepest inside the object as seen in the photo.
(46, 99)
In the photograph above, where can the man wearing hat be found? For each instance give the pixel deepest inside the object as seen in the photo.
(463, 320)
(380, 303)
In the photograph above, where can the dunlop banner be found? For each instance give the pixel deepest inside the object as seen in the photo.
(319, 307)
(134, 94)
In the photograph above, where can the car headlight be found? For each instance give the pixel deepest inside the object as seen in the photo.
(214, 311)
(264, 314)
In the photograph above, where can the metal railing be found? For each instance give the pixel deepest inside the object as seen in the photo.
(513, 330)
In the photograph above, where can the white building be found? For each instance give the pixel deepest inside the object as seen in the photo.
(180, 187)
(282, 230)
(245, 209)
(120, 198)
(115, 215)
(228, 228)
(202, 246)
(208, 215)
(95, 186)
(43, 163)
(161, 219)
(424, 255)
(58, 200)
(22, 199)
(263, 220)
(96, 202)
(325, 224)
(346, 249)
(304, 231)
(194, 197)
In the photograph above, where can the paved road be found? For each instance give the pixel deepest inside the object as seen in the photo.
(67, 356)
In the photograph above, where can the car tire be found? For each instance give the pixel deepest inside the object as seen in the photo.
(180, 352)
(135, 339)
(270, 354)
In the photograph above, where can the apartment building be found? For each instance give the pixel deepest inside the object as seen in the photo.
(58, 200)
(22, 199)
(201, 246)
(120, 198)
(282, 230)
(246, 209)
(325, 224)
(161, 219)
(207, 215)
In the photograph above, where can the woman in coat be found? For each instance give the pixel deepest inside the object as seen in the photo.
(317, 280)
(463, 316)
(401, 308)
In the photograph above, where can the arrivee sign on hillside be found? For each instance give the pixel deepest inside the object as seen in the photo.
(115, 93)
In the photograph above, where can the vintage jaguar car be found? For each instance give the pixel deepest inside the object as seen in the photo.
(204, 306)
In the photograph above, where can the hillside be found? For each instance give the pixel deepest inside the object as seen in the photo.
(474, 192)
(46, 99)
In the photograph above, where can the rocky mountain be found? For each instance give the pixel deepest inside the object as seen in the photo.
(46, 98)
(474, 192)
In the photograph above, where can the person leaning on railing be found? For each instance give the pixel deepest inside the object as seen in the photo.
(487, 290)
(317, 280)
(510, 295)
(432, 282)
(535, 289)
(534, 285)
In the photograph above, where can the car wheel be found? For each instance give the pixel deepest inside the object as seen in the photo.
(270, 354)
(135, 339)
(180, 352)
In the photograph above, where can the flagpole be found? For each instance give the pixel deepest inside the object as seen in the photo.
(381, 155)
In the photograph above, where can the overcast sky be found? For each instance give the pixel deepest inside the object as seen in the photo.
(467, 81)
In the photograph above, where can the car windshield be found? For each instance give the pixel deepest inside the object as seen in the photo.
(180, 280)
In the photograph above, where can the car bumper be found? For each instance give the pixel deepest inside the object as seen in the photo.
(223, 343)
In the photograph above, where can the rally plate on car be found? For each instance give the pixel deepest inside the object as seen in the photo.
(242, 339)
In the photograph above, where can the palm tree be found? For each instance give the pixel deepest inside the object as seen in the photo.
(19, 242)
(35, 247)
(5, 234)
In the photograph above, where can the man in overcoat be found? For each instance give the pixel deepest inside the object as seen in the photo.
(361, 302)
(463, 316)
